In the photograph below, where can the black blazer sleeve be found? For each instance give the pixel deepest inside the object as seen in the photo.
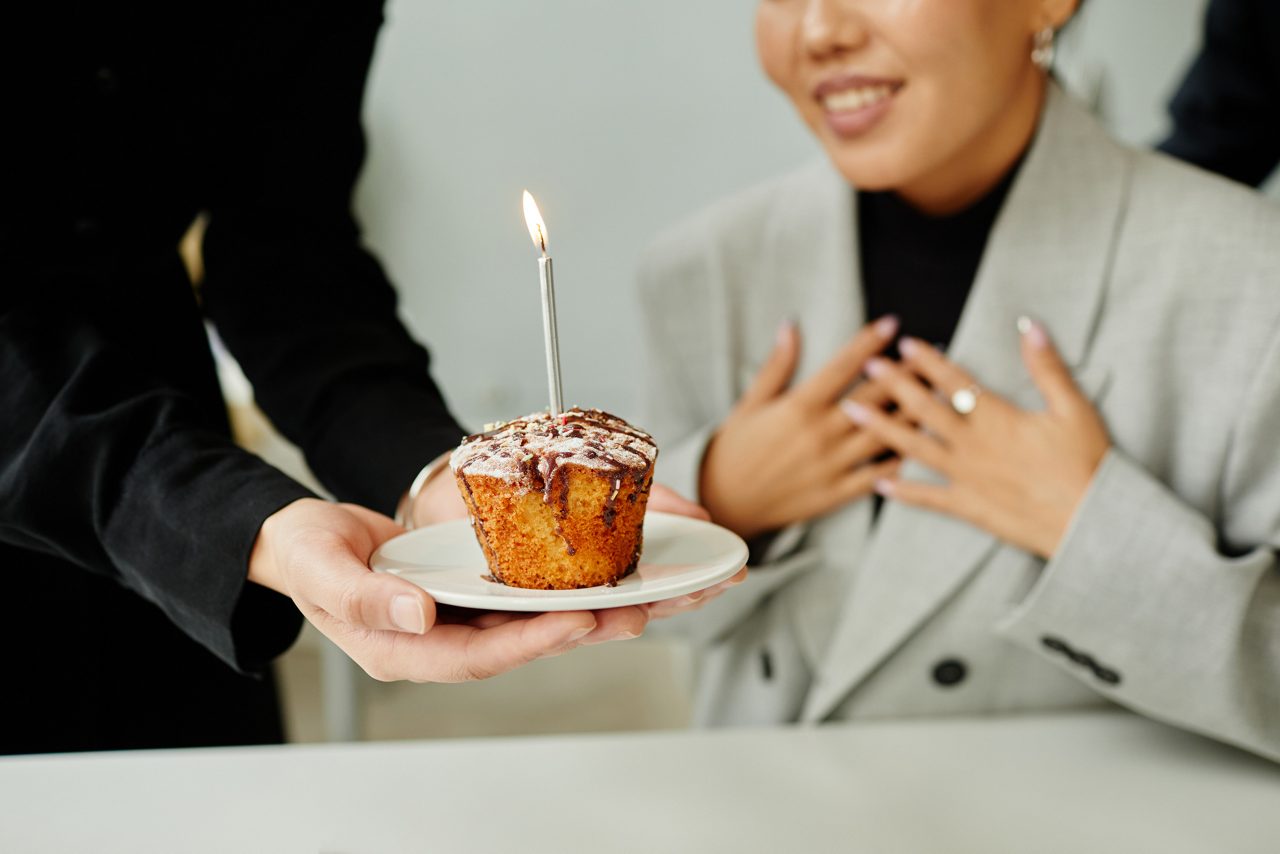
(305, 309)
(106, 465)
(1226, 113)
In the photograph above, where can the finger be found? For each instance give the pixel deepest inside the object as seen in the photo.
(867, 393)
(716, 589)
(929, 362)
(692, 602)
(895, 433)
(617, 624)
(775, 375)
(855, 449)
(667, 500)
(918, 402)
(946, 376)
(332, 577)
(668, 608)
(928, 495)
(871, 394)
(479, 619)
(1050, 374)
(835, 424)
(862, 481)
(843, 369)
(465, 653)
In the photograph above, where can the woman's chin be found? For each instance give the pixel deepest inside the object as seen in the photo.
(869, 173)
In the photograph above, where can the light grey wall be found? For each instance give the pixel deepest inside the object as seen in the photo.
(619, 116)
(1127, 57)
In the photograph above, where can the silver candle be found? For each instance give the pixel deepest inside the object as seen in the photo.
(538, 231)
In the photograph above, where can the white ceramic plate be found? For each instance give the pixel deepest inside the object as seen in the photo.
(680, 556)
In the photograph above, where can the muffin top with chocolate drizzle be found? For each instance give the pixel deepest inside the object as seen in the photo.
(539, 443)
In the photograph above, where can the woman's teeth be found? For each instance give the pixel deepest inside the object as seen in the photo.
(850, 100)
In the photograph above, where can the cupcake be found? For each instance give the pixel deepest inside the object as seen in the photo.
(557, 503)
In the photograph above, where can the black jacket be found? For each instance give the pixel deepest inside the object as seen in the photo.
(126, 513)
(1226, 113)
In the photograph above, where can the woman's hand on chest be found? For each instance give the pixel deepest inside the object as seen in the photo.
(1017, 473)
(788, 453)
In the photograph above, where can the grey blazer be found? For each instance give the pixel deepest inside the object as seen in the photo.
(1161, 286)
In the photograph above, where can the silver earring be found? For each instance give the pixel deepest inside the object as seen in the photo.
(1042, 49)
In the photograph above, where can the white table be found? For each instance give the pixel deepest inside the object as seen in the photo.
(1079, 783)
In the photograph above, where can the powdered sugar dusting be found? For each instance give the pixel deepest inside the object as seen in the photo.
(539, 443)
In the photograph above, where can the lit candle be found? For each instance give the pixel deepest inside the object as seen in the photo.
(538, 231)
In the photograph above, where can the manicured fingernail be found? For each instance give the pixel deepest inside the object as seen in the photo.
(876, 368)
(909, 347)
(407, 615)
(579, 634)
(886, 326)
(1033, 332)
(857, 413)
(784, 332)
(884, 486)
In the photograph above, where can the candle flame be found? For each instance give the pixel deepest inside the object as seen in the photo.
(533, 219)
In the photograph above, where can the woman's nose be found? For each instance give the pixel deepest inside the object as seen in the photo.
(832, 27)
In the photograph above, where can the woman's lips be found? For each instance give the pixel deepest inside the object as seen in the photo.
(853, 104)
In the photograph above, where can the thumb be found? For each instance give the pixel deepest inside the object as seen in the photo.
(1050, 374)
(775, 375)
(331, 575)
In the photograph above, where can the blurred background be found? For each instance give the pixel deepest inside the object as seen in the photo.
(619, 118)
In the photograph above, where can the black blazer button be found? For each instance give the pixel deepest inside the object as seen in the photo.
(1083, 659)
(949, 672)
(1107, 675)
(1055, 644)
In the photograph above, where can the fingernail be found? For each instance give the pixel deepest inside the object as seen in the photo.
(407, 615)
(884, 486)
(909, 347)
(857, 413)
(1033, 332)
(579, 634)
(625, 635)
(784, 332)
(876, 368)
(886, 326)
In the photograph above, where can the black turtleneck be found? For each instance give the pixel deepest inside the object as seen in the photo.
(921, 267)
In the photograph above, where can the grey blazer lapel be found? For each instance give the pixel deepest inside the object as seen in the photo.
(809, 270)
(814, 253)
(1048, 256)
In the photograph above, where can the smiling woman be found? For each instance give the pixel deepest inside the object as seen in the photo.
(933, 100)
(1023, 459)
